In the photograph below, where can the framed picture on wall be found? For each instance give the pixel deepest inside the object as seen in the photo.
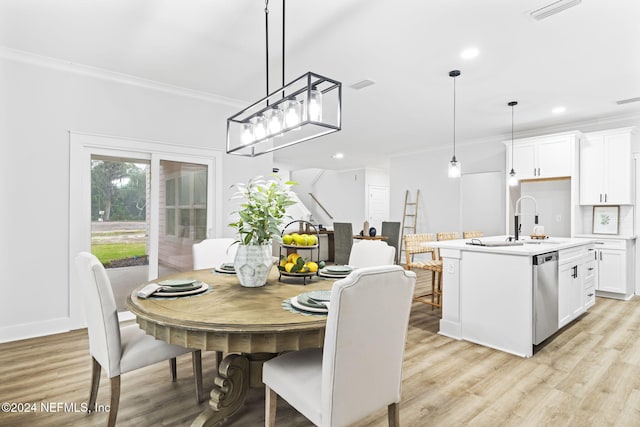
(605, 219)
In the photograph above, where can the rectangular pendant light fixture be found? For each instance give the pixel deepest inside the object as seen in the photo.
(306, 108)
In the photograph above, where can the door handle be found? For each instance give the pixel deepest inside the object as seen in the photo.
(605, 197)
(600, 197)
(575, 272)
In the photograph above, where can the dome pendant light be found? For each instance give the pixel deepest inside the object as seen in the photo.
(513, 180)
(454, 165)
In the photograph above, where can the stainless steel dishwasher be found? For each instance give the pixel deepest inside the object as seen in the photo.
(545, 296)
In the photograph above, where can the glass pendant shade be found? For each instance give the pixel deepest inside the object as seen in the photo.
(275, 121)
(315, 105)
(513, 179)
(292, 113)
(259, 127)
(247, 133)
(455, 168)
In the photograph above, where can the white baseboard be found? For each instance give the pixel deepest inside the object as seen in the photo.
(35, 329)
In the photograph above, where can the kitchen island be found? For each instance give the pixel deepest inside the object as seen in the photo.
(489, 292)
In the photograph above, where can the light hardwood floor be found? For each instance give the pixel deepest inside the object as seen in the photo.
(587, 375)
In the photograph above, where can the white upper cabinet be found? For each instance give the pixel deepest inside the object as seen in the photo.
(606, 168)
(543, 157)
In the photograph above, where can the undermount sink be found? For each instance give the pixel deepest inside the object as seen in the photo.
(544, 241)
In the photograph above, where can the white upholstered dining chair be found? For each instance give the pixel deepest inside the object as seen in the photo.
(359, 371)
(211, 253)
(371, 253)
(120, 350)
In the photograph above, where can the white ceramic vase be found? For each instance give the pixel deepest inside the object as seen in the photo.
(253, 264)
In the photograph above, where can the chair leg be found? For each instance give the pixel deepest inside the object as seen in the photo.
(440, 289)
(173, 368)
(270, 405)
(196, 359)
(393, 412)
(433, 289)
(115, 401)
(95, 382)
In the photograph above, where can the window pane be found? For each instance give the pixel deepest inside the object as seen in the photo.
(188, 215)
(170, 225)
(170, 192)
(200, 187)
(185, 222)
(200, 224)
(184, 194)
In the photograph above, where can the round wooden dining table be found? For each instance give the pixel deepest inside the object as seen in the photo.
(248, 325)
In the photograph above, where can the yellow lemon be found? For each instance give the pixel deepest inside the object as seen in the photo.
(292, 258)
(313, 239)
(287, 239)
(288, 266)
(312, 266)
(283, 262)
(299, 239)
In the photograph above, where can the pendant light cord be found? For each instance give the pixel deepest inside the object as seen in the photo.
(512, 104)
(454, 118)
(266, 29)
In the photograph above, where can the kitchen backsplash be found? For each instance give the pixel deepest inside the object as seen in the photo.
(625, 224)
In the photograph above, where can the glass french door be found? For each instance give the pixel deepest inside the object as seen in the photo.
(182, 203)
(180, 216)
(182, 213)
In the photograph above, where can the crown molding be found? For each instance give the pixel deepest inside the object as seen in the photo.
(101, 73)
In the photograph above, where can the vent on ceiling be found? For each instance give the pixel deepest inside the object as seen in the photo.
(362, 84)
(627, 101)
(553, 8)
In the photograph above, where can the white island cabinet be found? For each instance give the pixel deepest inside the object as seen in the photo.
(488, 290)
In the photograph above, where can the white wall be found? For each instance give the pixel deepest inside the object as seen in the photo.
(342, 193)
(39, 105)
(439, 203)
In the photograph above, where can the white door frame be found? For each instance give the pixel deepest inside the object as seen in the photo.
(82, 147)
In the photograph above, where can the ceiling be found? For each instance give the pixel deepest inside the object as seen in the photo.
(585, 58)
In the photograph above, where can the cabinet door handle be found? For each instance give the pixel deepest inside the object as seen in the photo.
(589, 295)
(605, 197)
(600, 256)
(575, 272)
(534, 171)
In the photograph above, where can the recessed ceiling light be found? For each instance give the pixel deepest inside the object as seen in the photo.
(559, 110)
(469, 53)
(337, 156)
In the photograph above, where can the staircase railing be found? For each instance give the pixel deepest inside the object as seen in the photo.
(320, 204)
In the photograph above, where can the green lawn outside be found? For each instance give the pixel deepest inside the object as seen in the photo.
(112, 251)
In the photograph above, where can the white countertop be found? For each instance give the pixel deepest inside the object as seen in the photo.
(529, 248)
(606, 236)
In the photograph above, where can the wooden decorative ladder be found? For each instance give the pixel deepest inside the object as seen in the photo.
(409, 219)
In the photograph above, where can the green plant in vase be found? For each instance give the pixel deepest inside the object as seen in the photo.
(263, 209)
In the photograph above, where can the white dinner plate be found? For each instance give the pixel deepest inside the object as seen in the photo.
(202, 288)
(325, 273)
(177, 282)
(296, 304)
(339, 269)
(224, 270)
(319, 295)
